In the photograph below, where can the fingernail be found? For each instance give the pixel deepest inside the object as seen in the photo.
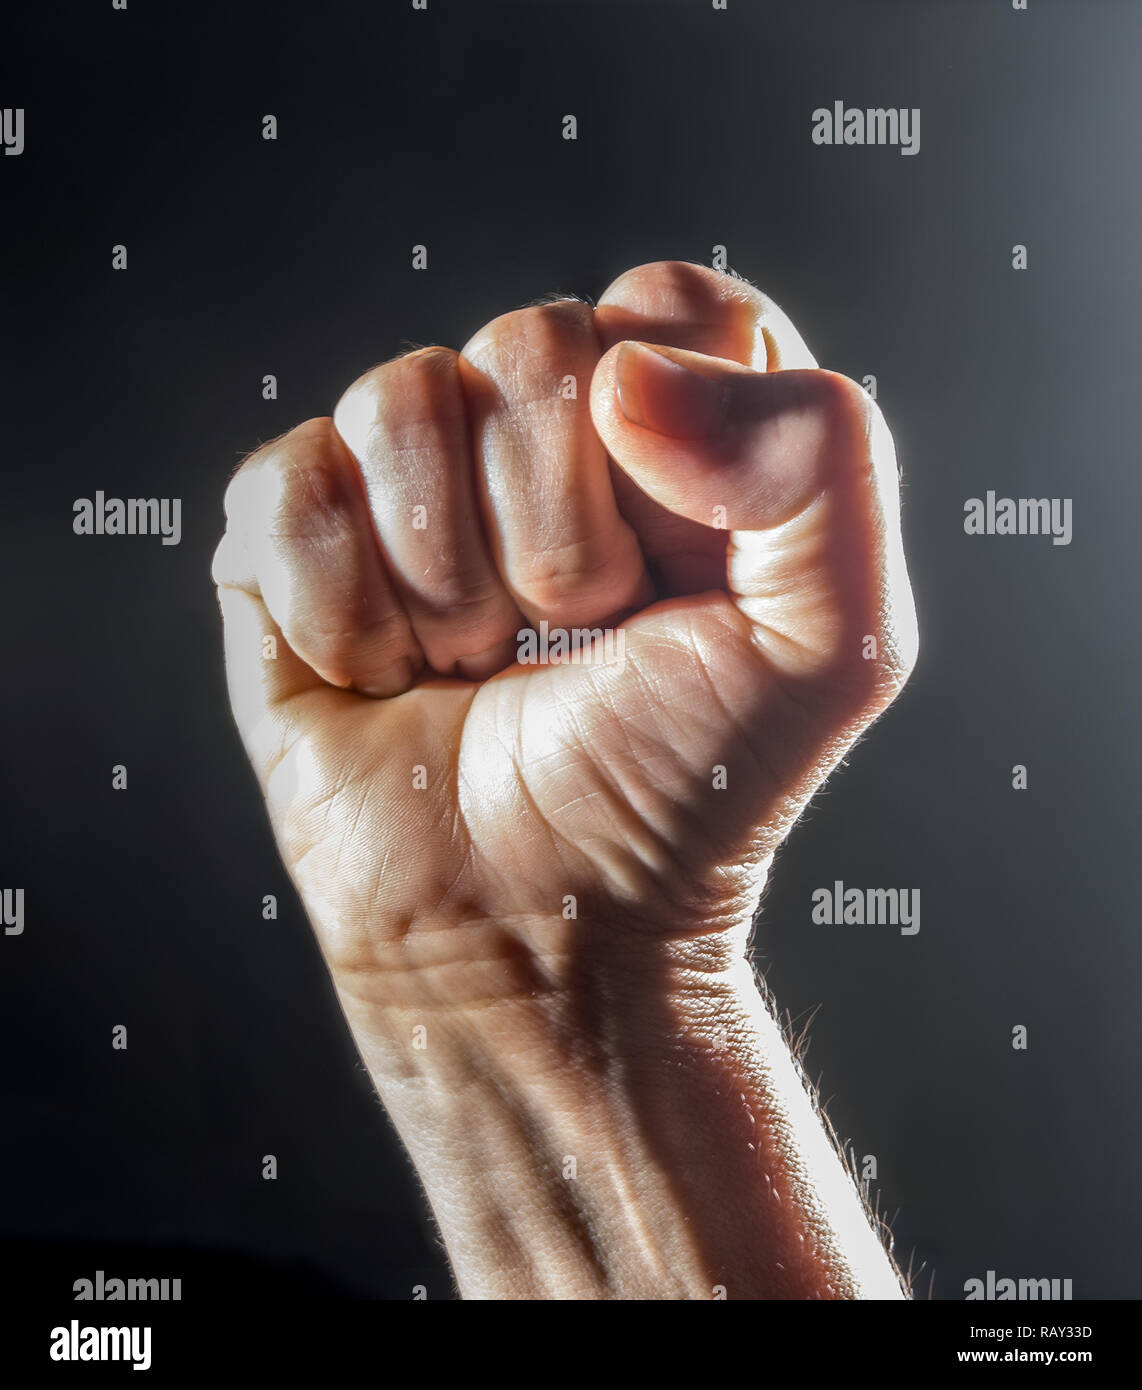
(659, 394)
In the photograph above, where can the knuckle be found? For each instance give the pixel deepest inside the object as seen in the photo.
(262, 470)
(578, 573)
(684, 281)
(683, 289)
(226, 568)
(699, 307)
(344, 647)
(459, 591)
(538, 334)
(239, 491)
(546, 587)
(407, 396)
(309, 490)
(847, 405)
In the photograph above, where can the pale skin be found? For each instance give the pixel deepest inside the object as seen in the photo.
(534, 885)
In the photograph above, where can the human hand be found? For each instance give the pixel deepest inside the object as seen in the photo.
(547, 867)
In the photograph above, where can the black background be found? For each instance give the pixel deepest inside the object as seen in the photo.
(246, 257)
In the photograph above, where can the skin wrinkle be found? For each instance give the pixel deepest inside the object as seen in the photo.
(441, 906)
(619, 798)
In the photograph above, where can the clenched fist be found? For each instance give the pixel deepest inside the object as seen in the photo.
(538, 649)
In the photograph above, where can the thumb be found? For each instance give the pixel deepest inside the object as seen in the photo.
(799, 467)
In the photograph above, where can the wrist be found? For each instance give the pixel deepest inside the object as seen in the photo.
(642, 1133)
(542, 997)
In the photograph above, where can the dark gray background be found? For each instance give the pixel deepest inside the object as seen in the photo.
(246, 257)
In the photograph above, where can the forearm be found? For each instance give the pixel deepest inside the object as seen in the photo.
(678, 1158)
(531, 873)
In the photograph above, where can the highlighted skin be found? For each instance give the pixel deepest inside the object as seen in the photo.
(533, 882)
